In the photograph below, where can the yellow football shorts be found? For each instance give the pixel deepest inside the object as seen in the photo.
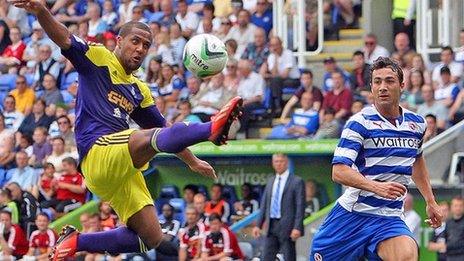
(110, 173)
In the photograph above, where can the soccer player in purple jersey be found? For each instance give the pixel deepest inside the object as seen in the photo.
(112, 156)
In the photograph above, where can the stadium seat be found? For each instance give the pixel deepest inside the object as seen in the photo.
(179, 208)
(229, 195)
(257, 192)
(29, 79)
(203, 190)
(69, 79)
(67, 97)
(7, 81)
(247, 249)
(169, 192)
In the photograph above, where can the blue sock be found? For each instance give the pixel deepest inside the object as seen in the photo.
(180, 135)
(114, 241)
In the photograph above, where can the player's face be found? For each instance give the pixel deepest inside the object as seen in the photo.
(42, 223)
(134, 48)
(386, 87)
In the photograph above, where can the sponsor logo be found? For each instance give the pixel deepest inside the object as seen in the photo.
(397, 142)
(317, 257)
(199, 62)
(379, 124)
(121, 101)
(239, 176)
(413, 126)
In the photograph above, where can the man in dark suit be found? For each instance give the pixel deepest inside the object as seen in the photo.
(282, 211)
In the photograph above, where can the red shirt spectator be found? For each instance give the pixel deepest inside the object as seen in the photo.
(13, 241)
(63, 193)
(43, 239)
(339, 99)
(190, 239)
(15, 49)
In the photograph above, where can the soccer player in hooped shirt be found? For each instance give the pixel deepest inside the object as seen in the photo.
(112, 156)
(377, 156)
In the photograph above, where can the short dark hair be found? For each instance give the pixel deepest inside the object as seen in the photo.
(6, 192)
(58, 138)
(307, 71)
(126, 29)
(219, 185)
(169, 205)
(431, 116)
(5, 212)
(12, 97)
(43, 215)
(214, 216)
(358, 53)
(209, 6)
(70, 160)
(64, 117)
(445, 70)
(193, 188)
(385, 62)
(447, 48)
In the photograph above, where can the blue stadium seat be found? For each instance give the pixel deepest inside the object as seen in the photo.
(288, 90)
(229, 194)
(266, 104)
(69, 79)
(7, 81)
(257, 192)
(169, 191)
(29, 79)
(179, 208)
(67, 97)
(203, 190)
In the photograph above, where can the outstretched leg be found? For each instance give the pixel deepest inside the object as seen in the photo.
(398, 248)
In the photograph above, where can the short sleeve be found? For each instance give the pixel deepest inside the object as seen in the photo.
(350, 143)
(76, 54)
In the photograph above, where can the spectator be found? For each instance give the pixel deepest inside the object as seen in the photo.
(206, 26)
(372, 50)
(231, 78)
(454, 232)
(7, 143)
(419, 64)
(96, 24)
(39, 38)
(108, 220)
(70, 190)
(356, 107)
(237, 6)
(217, 204)
(243, 32)
(412, 96)
(262, 17)
(15, 17)
(447, 59)
(190, 236)
(404, 18)
(168, 17)
(251, 89)
(13, 118)
(219, 243)
(460, 53)
(330, 127)
(12, 56)
(37, 118)
(125, 12)
(222, 8)
(446, 91)
(312, 202)
(456, 112)
(25, 144)
(208, 14)
(281, 71)
(257, 51)
(190, 191)
(23, 95)
(153, 73)
(13, 240)
(432, 129)
(84, 220)
(224, 29)
(438, 236)
(51, 95)
(137, 15)
(411, 218)
(24, 175)
(177, 43)
(7, 204)
(171, 84)
(199, 202)
(403, 49)
(231, 48)
(360, 78)
(184, 109)
(27, 204)
(330, 66)
(282, 209)
(169, 225)
(67, 133)
(306, 80)
(4, 36)
(41, 147)
(187, 20)
(340, 98)
(46, 181)
(46, 64)
(304, 122)
(430, 106)
(54, 129)
(58, 154)
(41, 240)
(248, 204)
(210, 99)
(109, 16)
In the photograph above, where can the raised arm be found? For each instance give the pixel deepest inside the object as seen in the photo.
(55, 30)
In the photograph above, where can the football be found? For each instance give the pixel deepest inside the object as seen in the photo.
(205, 55)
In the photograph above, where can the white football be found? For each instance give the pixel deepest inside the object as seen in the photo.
(205, 55)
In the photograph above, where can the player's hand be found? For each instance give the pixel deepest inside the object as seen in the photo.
(256, 232)
(31, 6)
(389, 190)
(434, 214)
(295, 234)
(203, 167)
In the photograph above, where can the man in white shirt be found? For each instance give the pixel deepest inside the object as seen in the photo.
(281, 71)
(243, 32)
(39, 38)
(46, 64)
(447, 58)
(251, 89)
(411, 218)
(188, 20)
(431, 106)
(372, 50)
(13, 118)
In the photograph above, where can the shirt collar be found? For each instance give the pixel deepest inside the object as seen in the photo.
(284, 175)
